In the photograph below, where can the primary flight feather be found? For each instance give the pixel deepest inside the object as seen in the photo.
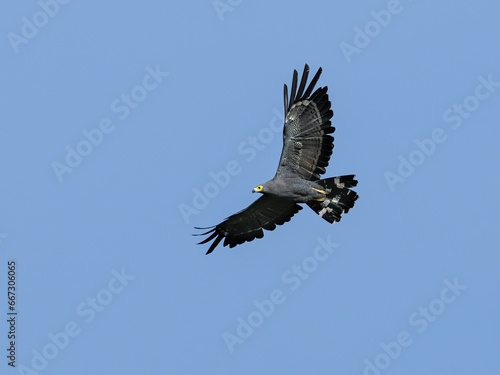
(307, 147)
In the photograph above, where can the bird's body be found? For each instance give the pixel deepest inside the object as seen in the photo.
(290, 188)
(307, 147)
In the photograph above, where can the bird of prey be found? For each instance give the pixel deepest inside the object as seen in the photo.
(307, 147)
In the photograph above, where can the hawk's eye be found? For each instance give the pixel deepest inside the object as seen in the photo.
(259, 187)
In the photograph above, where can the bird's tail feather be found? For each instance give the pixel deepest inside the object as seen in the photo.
(339, 198)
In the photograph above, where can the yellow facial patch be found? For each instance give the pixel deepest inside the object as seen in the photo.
(258, 188)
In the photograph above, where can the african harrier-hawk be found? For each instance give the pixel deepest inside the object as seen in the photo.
(307, 147)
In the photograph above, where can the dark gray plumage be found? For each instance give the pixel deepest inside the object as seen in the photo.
(307, 147)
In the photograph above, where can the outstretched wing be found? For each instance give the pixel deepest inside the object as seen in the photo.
(246, 225)
(307, 145)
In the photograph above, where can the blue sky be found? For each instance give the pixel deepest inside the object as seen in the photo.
(127, 124)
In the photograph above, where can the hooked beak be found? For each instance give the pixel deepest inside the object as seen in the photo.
(254, 191)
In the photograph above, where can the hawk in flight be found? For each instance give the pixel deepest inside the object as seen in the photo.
(307, 147)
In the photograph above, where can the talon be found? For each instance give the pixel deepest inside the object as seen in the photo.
(319, 191)
(320, 199)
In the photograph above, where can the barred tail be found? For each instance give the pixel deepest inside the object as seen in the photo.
(339, 198)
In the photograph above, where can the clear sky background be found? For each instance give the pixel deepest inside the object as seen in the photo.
(119, 121)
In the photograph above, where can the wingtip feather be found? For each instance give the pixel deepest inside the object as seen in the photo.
(285, 97)
(214, 244)
(303, 81)
(294, 88)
